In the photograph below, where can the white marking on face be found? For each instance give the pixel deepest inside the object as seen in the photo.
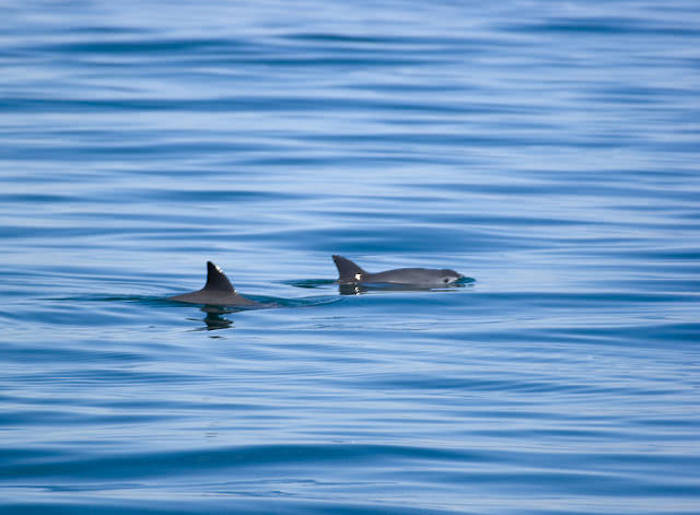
(358, 277)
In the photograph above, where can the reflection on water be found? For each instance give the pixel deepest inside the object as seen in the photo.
(360, 288)
(214, 318)
(310, 283)
(216, 321)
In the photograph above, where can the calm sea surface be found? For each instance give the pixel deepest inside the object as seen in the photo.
(548, 150)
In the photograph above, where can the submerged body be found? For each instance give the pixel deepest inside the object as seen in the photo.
(351, 273)
(218, 291)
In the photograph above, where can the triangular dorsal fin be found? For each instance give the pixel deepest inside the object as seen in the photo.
(217, 280)
(347, 270)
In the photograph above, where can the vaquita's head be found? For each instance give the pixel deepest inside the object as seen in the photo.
(448, 276)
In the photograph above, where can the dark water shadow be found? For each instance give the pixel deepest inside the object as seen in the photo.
(263, 302)
(356, 289)
(310, 283)
(213, 319)
(361, 288)
(216, 316)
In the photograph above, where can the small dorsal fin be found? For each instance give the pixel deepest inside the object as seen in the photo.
(217, 280)
(347, 270)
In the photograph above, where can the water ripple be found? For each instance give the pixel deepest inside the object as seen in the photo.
(547, 150)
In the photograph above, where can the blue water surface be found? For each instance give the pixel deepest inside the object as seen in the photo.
(548, 150)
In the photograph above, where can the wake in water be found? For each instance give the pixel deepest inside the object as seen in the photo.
(261, 302)
(360, 288)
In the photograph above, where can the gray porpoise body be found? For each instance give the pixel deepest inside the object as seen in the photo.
(218, 291)
(351, 273)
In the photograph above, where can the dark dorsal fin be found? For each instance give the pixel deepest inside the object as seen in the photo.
(347, 270)
(217, 280)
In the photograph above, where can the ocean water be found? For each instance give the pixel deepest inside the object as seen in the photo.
(548, 150)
